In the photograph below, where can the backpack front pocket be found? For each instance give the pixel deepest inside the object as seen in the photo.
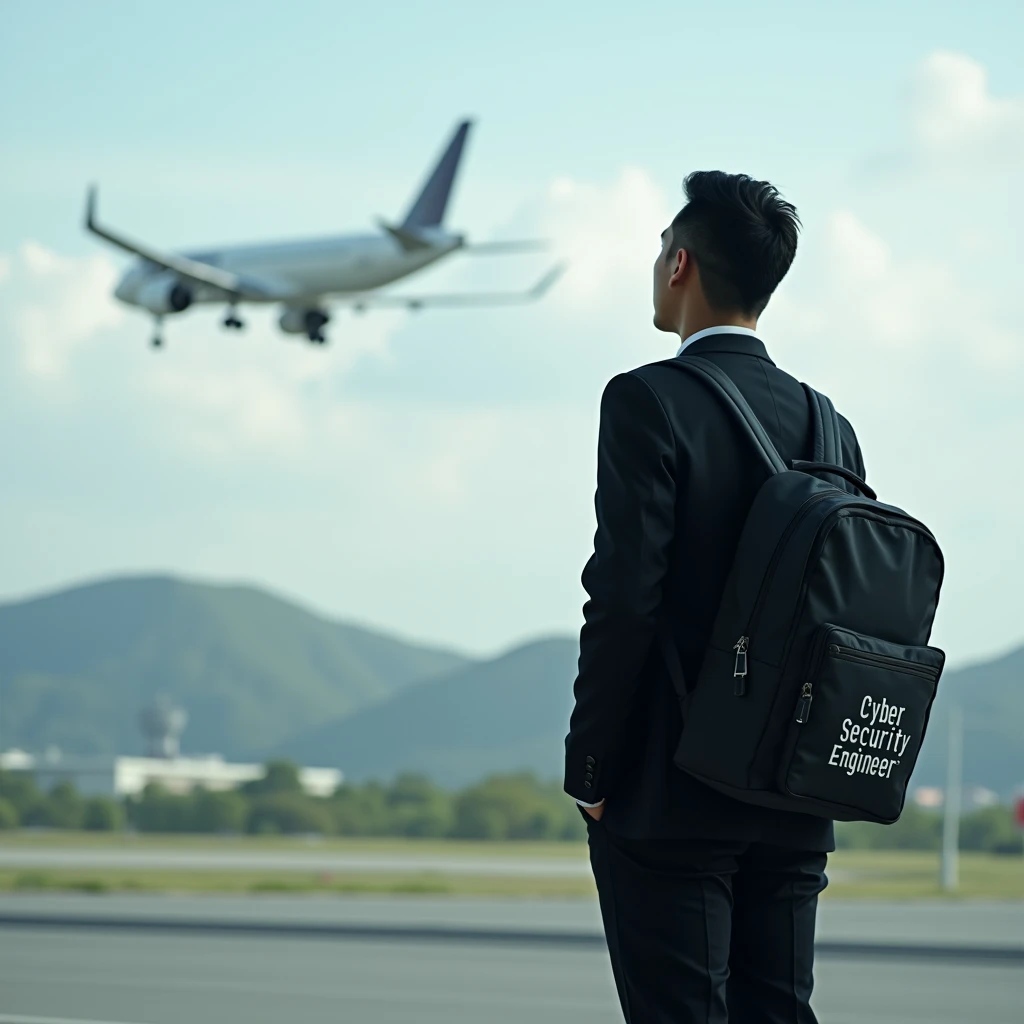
(858, 723)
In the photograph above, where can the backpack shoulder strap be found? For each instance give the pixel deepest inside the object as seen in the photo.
(719, 382)
(828, 442)
(836, 430)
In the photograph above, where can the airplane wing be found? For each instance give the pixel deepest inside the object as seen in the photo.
(372, 300)
(195, 271)
(500, 248)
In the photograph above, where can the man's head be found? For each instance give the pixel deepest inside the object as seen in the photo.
(724, 253)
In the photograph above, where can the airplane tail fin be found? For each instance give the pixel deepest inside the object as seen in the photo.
(429, 208)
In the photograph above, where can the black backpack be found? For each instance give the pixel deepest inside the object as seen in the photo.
(815, 690)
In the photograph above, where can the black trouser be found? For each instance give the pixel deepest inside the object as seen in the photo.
(708, 932)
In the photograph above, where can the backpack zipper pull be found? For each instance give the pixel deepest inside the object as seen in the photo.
(739, 672)
(803, 709)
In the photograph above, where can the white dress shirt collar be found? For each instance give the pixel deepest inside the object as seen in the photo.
(708, 331)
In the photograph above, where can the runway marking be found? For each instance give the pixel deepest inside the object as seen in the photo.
(8, 1018)
(1013, 955)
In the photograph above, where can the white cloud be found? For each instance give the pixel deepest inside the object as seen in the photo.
(416, 457)
(606, 230)
(889, 304)
(858, 255)
(221, 414)
(461, 443)
(62, 303)
(956, 117)
(910, 306)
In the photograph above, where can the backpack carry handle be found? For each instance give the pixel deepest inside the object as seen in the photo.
(827, 467)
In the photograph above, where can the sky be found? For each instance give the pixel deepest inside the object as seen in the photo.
(432, 475)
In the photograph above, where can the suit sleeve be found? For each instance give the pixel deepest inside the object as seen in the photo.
(635, 505)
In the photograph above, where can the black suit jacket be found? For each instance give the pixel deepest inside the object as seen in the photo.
(675, 479)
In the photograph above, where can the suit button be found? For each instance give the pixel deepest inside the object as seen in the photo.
(591, 761)
(587, 784)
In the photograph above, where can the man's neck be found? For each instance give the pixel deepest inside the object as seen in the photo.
(746, 322)
(717, 329)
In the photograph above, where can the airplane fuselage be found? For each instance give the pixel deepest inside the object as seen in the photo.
(298, 273)
(304, 276)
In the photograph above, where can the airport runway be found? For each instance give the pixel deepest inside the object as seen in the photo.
(48, 976)
(170, 859)
(944, 925)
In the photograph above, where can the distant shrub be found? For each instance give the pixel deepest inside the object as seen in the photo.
(20, 789)
(513, 807)
(418, 809)
(33, 881)
(290, 814)
(989, 830)
(361, 810)
(91, 885)
(101, 814)
(63, 808)
(477, 818)
(219, 812)
(278, 777)
(8, 815)
(917, 829)
(157, 810)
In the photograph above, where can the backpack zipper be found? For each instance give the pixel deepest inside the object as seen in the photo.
(803, 708)
(739, 672)
(815, 657)
(742, 645)
(898, 664)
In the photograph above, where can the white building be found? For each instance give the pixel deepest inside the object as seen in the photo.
(162, 724)
(128, 776)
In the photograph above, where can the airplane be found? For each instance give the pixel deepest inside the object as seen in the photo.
(302, 275)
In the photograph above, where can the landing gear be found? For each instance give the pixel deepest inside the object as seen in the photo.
(158, 332)
(315, 321)
(232, 321)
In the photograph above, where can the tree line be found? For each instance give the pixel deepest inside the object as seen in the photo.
(509, 807)
(503, 807)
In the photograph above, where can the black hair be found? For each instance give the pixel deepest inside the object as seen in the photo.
(741, 234)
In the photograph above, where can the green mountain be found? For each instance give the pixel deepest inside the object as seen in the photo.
(259, 675)
(503, 715)
(250, 669)
(990, 696)
(511, 713)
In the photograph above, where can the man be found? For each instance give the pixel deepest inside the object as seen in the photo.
(708, 903)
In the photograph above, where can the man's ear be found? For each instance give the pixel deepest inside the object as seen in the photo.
(680, 266)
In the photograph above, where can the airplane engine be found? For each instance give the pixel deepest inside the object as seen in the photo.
(164, 293)
(309, 322)
(293, 321)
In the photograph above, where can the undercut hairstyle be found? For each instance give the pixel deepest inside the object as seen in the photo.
(741, 234)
